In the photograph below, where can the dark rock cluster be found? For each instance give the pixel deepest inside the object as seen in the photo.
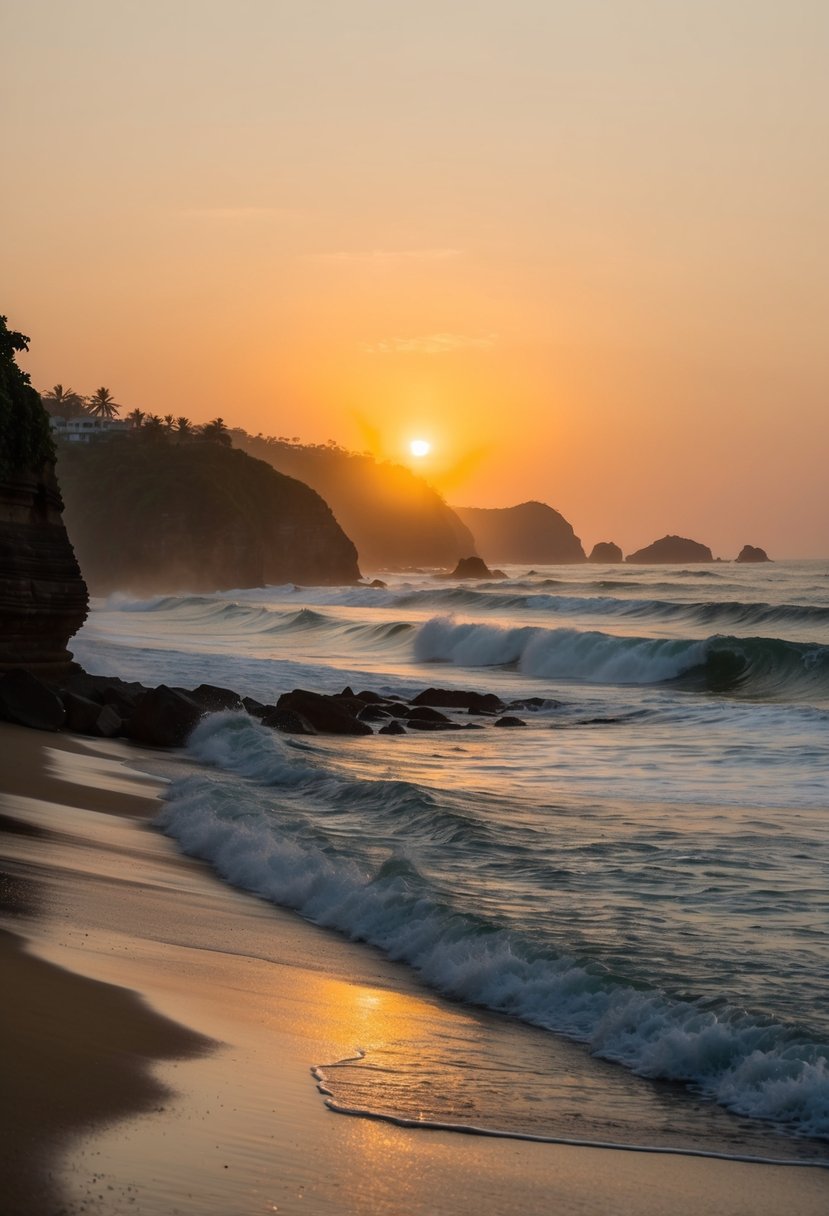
(105, 707)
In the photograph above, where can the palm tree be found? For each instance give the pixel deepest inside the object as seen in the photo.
(184, 428)
(169, 420)
(136, 417)
(153, 427)
(102, 404)
(217, 432)
(64, 402)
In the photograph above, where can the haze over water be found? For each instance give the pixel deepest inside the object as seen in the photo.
(637, 877)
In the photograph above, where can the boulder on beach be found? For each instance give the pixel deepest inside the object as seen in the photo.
(672, 550)
(164, 717)
(456, 698)
(26, 701)
(605, 552)
(328, 715)
(749, 553)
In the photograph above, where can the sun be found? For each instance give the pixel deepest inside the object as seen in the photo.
(420, 447)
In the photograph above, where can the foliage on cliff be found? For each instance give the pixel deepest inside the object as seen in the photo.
(25, 438)
(199, 517)
(395, 518)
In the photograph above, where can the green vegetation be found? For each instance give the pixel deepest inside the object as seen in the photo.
(25, 438)
(165, 516)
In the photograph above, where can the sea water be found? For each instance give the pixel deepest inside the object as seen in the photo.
(637, 878)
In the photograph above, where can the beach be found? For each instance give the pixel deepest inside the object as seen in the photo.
(163, 1027)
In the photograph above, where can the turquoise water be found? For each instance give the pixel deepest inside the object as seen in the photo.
(641, 871)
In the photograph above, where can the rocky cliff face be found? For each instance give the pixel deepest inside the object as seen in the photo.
(531, 532)
(43, 599)
(394, 517)
(154, 517)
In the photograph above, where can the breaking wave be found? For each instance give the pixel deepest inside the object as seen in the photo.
(753, 1065)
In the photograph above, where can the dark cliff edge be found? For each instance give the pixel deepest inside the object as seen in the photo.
(395, 518)
(530, 532)
(672, 550)
(195, 517)
(43, 598)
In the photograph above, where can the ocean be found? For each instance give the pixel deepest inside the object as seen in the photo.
(628, 896)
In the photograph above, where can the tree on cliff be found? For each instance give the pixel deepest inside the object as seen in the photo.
(25, 437)
(102, 404)
(217, 432)
(64, 402)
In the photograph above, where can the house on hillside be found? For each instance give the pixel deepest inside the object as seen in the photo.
(87, 429)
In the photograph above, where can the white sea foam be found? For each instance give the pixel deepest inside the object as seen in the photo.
(754, 1066)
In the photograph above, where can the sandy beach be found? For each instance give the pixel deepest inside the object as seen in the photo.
(159, 1031)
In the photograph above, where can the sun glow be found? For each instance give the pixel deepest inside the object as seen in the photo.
(420, 447)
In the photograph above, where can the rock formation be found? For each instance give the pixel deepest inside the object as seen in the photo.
(474, 567)
(672, 550)
(749, 553)
(43, 599)
(198, 516)
(531, 532)
(605, 552)
(395, 518)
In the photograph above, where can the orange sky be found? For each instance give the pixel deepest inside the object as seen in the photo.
(579, 246)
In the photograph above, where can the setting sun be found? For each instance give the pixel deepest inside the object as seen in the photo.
(420, 447)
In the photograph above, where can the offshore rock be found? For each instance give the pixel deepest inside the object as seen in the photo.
(672, 550)
(474, 567)
(328, 715)
(605, 552)
(749, 553)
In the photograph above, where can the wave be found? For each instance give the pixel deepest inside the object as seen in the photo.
(756, 666)
(753, 1065)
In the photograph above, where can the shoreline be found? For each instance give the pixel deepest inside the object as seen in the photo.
(229, 1002)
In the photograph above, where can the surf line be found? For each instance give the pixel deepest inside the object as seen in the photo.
(318, 1072)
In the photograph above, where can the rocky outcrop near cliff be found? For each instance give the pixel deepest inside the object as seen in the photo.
(752, 553)
(531, 532)
(198, 516)
(605, 552)
(43, 599)
(672, 550)
(395, 518)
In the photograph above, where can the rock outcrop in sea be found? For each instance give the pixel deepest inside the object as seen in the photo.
(604, 552)
(43, 598)
(531, 532)
(671, 550)
(750, 553)
(474, 567)
(150, 518)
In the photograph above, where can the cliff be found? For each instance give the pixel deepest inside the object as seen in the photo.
(394, 517)
(531, 532)
(43, 599)
(197, 516)
(672, 550)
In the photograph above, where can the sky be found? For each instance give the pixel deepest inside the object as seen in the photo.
(580, 246)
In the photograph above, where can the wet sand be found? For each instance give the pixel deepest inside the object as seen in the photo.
(159, 1028)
